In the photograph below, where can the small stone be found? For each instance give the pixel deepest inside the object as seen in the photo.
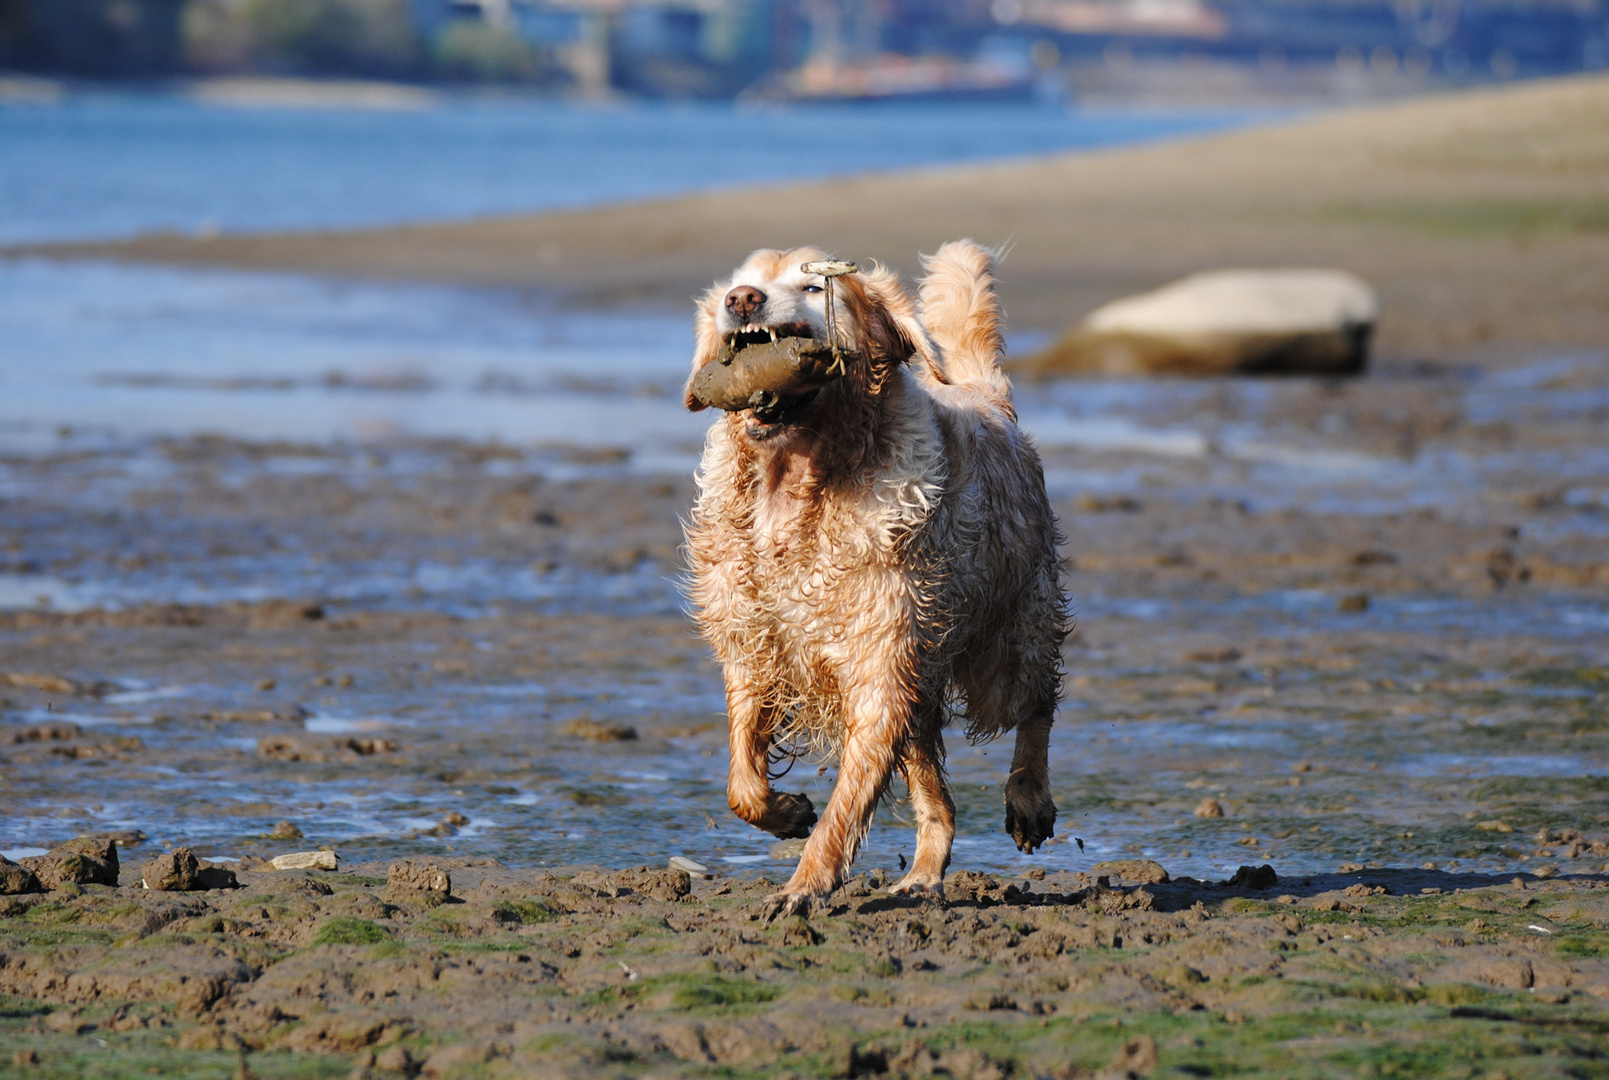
(16, 879)
(1302, 767)
(285, 830)
(67, 1021)
(682, 862)
(1255, 877)
(1134, 871)
(788, 850)
(1494, 826)
(1545, 871)
(1354, 604)
(1209, 808)
(417, 883)
(266, 684)
(306, 860)
(175, 871)
(394, 1058)
(121, 837)
(1214, 656)
(26, 1056)
(455, 819)
(42, 681)
(594, 731)
(454, 1059)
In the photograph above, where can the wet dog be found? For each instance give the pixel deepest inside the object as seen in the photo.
(875, 557)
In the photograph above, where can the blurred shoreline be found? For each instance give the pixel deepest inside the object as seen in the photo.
(1479, 215)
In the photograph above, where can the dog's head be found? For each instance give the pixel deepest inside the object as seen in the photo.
(769, 296)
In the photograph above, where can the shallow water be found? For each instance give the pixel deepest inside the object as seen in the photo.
(103, 164)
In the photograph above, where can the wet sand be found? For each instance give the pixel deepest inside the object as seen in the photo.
(1480, 217)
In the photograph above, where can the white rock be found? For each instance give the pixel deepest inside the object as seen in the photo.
(1225, 322)
(1244, 302)
(682, 862)
(306, 860)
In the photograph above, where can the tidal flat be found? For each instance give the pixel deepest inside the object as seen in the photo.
(1350, 631)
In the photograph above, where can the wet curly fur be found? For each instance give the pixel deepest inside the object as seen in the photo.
(880, 561)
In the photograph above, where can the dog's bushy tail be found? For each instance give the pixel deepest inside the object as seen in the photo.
(957, 304)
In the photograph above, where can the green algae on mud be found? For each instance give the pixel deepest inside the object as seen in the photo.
(584, 973)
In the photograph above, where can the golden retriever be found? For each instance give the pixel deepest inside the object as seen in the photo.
(874, 557)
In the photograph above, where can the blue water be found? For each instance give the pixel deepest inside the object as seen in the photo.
(111, 165)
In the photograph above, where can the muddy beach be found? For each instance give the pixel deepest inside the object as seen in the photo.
(1350, 631)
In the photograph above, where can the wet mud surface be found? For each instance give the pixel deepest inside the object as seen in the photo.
(650, 972)
(1354, 631)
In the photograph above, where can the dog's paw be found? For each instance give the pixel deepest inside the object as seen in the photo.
(786, 904)
(789, 816)
(1030, 817)
(914, 884)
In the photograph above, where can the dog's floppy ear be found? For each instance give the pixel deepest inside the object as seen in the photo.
(706, 343)
(887, 318)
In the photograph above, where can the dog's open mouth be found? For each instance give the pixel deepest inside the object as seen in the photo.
(744, 336)
(772, 412)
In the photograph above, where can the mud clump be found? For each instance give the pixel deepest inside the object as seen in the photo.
(596, 731)
(303, 748)
(1135, 871)
(176, 871)
(180, 871)
(16, 879)
(1254, 877)
(85, 861)
(417, 883)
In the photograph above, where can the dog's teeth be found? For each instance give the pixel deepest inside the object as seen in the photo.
(773, 334)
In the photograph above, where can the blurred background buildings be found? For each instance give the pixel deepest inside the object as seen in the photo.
(826, 49)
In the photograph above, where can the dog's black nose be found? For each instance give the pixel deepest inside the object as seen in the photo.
(744, 301)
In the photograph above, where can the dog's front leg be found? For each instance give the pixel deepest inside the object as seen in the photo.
(876, 718)
(751, 727)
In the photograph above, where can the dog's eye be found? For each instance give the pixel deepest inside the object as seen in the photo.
(812, 288)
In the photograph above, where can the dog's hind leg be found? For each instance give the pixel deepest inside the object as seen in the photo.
(922, 764)
(1030, 811)
(750, 729)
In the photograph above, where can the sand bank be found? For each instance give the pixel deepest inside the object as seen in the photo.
(1480, 216)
